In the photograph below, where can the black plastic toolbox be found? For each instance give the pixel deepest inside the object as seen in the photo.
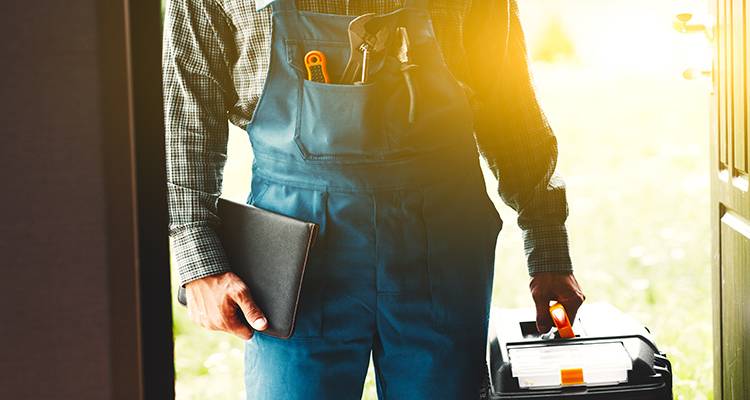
(599, 328)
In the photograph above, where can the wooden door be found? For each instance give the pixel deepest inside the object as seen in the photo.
(731, 201)
(84, 255)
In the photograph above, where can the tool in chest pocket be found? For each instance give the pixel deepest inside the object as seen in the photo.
(406, 68)
(317, 70)
(369, 35)
(372, 39)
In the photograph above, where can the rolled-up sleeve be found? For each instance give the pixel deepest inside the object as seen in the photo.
(197, 89)
(513, 134)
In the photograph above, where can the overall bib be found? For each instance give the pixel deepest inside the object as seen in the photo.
(402, 268)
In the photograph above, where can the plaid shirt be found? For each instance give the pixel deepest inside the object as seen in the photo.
(216, 55)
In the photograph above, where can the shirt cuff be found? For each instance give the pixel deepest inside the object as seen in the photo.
(198, 253)
(546, 249)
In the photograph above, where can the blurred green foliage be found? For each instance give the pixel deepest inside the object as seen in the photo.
(638, 187)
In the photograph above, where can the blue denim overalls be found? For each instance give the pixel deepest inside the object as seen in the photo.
(402, 268)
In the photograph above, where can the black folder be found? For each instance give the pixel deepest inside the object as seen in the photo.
(269, 252)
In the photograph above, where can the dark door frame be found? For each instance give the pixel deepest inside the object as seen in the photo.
(143, 33)
(84, 245)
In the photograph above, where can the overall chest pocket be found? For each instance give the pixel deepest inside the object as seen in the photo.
(340, 121)
(334, 120)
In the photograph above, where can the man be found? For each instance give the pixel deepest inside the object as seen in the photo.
(402, 270)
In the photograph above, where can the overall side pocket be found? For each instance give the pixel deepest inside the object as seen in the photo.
(307, 205)
(460, 248)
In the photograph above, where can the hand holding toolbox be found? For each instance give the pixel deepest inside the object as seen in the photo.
(609, 357)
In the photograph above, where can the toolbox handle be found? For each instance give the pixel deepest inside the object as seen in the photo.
(560, 318)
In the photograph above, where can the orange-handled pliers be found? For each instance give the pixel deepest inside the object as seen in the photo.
(315, 63)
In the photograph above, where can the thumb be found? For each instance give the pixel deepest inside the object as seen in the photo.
(543, 319)
(250, 310)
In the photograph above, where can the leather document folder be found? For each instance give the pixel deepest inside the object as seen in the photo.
(269, 252)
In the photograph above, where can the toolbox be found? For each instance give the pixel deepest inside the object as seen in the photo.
(611, 357)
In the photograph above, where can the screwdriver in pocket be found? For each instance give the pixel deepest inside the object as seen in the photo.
(365, 49)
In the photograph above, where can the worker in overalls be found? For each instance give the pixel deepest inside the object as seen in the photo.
(386, 161)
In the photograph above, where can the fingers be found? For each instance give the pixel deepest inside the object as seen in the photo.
(541, 297)
(571, 297)
(572, 302)
(561, 287)
(225, 320)
(222, 303)
(543, 319)
(250, 310)
(235, 325)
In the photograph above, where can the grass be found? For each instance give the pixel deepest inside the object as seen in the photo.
(633, 151)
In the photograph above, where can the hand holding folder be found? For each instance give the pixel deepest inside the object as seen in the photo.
(269, 252)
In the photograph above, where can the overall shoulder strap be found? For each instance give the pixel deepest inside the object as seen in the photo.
(421, 4)
(284, 5)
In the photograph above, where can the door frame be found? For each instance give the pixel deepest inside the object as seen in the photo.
(730, 198)
(157, 345)
(130, 49)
